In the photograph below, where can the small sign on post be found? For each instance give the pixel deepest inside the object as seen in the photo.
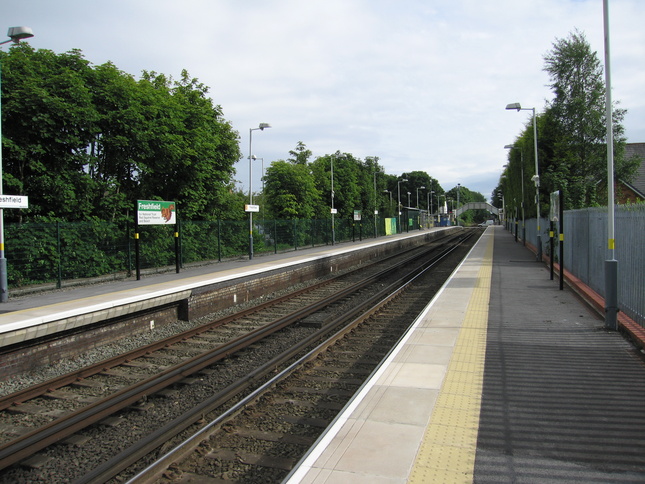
(251, 208)
(14, 201)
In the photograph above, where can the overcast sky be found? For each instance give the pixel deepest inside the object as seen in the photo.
(422, 84)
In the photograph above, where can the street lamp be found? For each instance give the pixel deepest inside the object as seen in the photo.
(15, 34)
(398, 187)
(261, 178)
(250, 207)
(508, 147)
(536, 177)
(419, 188)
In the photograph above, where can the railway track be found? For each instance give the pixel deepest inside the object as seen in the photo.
(161, 372)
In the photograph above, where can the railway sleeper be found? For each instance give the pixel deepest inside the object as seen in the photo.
(35, 409)
(254, 434)
(272, 462)
(320, 423)
(62, 395)
(308, 404)
(321, 391)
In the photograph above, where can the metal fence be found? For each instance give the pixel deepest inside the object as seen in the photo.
(585, 251)
(52, 253)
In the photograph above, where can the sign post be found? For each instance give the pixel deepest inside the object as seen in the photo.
(154, 212)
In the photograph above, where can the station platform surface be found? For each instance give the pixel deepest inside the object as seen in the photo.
(504, 378)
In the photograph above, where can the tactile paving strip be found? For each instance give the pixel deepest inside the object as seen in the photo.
(447, 452)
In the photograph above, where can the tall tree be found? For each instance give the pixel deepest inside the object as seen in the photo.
(575, 124)
(48, 122)
(87, 141)
(300, 154)
(290, 191)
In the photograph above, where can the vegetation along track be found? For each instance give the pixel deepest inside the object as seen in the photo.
(190, 383)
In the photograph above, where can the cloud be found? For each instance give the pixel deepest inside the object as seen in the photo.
(422, 85)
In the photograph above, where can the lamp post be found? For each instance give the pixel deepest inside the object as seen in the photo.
(522, 202)
(611, 264)
(419, 188)
(15, 34)
(398, 187)
(458, 191)
(261, 178)
(250, 209)
(333, 210)
(375, 209)
(430, 207)
(390, 192)
(536, 177)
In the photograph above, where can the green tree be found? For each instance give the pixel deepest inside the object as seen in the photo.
(300, 155)
(85, 142)
(290, 191)
(48, 122)
(573, 132)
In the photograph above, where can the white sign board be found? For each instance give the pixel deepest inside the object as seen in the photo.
(14, 201)
(251, 208)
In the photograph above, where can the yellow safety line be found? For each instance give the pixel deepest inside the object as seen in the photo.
(447, 452)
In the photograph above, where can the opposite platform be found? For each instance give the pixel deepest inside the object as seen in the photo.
(51, 313)
(504, 378)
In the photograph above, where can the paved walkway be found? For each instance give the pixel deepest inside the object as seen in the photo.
(563, 400)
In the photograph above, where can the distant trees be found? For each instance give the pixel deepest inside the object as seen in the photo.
(85, 142)
(299, 188)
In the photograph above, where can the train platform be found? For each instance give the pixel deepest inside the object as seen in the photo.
(504, 378)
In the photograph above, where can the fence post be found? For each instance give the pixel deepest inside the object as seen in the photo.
(551, 248)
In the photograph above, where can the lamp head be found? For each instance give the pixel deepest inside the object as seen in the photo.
(508, 147)
(422, 188)
(517, 106)
(19, 33)
(264, 125)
